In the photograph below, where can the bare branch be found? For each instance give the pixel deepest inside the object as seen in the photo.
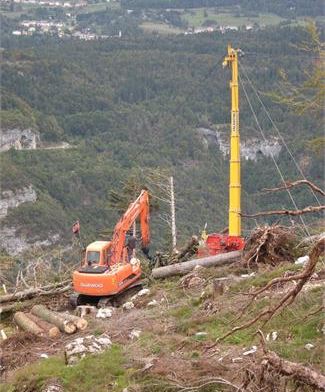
(286, 212)
(289, 185)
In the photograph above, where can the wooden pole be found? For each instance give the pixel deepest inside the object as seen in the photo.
(173, 214)
(187, 266)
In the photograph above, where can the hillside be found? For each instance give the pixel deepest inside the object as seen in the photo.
(130, 104)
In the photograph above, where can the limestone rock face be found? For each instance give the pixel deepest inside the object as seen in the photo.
(11, 240)
(250, 149)
(12, 199)
(19, 139)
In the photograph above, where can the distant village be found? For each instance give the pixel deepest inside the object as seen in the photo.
(221, 29)
(60, 29)
(68, 27)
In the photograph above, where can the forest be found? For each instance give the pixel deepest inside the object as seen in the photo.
(132, 104)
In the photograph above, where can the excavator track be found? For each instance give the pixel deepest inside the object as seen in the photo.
(116, 300)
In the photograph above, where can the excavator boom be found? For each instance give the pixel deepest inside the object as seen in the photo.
(140, 207)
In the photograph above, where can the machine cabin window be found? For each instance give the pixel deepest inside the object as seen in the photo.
(93, 257)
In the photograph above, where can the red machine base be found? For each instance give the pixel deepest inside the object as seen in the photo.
(220, 243)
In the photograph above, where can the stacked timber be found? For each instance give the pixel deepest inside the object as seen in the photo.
(44, 322)
(54, 318)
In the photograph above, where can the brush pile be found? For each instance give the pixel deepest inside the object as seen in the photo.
(269, 245)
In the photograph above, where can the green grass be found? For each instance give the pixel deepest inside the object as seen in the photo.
(98, 373)
(160, 28)
(90, 8)
(196, 17)
(262, 278)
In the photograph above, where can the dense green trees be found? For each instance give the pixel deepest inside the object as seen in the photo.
(137, 102)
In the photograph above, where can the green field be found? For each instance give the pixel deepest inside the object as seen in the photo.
(99, 7)
(161, 28)
(196, 17)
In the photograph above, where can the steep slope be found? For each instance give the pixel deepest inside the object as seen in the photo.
(129, 104)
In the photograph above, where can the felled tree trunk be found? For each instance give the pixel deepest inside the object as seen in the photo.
(64, 325)
(297, 371)
(187, 266)
(33, 292)
(26, 324)
(79, 322)
(51, 330)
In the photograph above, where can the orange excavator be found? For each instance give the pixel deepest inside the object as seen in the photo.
(109, 267)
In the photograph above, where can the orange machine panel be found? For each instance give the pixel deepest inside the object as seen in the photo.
(112, 281)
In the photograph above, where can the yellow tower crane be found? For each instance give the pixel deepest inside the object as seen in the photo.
(220, 242)
(234, 184)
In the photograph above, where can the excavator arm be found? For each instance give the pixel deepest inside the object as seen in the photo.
(139, 208)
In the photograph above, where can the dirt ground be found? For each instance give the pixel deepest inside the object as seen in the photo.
(169, 345)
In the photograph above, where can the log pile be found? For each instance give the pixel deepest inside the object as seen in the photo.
(44, 322)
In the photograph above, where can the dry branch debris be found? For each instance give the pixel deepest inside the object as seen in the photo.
(301, 278)
(50, 289)
(269, 245)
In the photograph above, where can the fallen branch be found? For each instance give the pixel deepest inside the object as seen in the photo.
(288, 298)
(298, 372)
(187, 266)
(286, 212)
(289, 185)
(33, 292)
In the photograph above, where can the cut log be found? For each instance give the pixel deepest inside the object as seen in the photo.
(187, 266)
(8, 308)
(51, 330)
(26, 324)
(64, 325)
(33, 292)
(79, 322)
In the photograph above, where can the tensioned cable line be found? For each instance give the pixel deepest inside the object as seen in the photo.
(278, 131)
(274, 161)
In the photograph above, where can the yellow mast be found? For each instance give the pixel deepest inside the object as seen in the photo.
(234, 184)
